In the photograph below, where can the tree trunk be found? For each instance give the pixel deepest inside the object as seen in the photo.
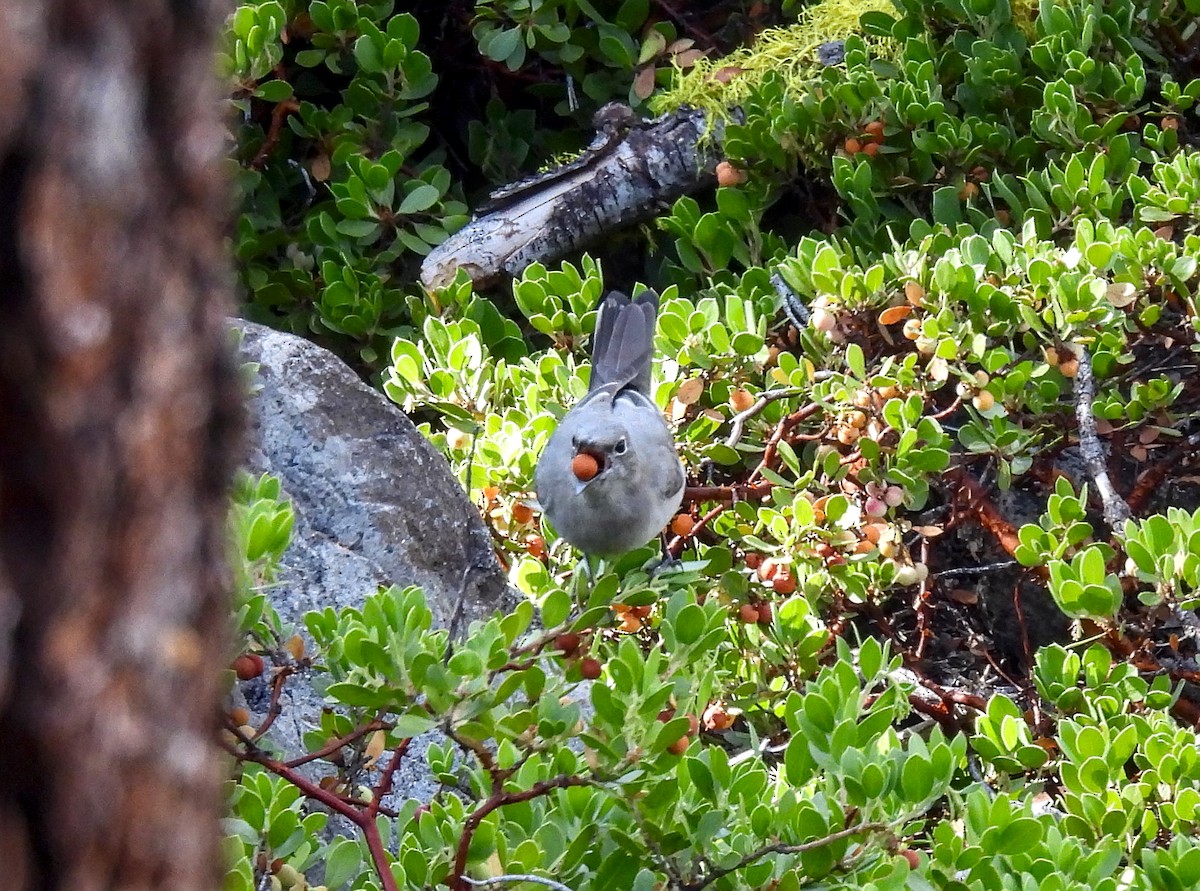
(118, 417)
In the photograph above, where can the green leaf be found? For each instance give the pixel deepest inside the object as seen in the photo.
(555, 608)
(342, 863)
(412, 725)
(689, 624)
(421, 198)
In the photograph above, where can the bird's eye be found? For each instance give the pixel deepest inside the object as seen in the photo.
(619, 448)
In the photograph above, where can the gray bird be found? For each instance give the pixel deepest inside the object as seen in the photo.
(609, 479)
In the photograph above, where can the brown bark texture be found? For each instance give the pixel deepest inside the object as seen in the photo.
(118, 420)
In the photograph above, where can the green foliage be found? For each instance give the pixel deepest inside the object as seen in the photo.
(260, 527)
(1164, 552)
(995, 189)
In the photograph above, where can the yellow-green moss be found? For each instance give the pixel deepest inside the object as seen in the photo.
(790, 51)
(1023, 14)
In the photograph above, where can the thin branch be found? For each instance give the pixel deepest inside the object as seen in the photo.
(738, 422)
(334, 744)
(984, 569)
(384, 787)
(274, 709)
(278, 114)
(500, 880)
(1116, 511)
(793, 308)
(364, 819)
(1151, 479)
(781, 848)
(457, 881)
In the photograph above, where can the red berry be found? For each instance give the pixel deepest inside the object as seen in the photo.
(248, 666)
(567, 643)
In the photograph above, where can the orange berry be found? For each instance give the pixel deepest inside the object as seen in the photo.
(584, 466)
(765, 611)
(784, 583)
(914, 861)
(968, 191)
(693, 725)
(741, 400)
(875, 130)
(981, 174)
(536, 546)
(679, 746)
(682, 525)
(631, 624)
(1069, 366)
(852, 146)
(248, 666)
(666, 715)
(590, 668)
(753, 560)
(522, 513)
(983, 400)
(641, 612)
(871, 149)
(730, 175)
(748, 614)
(239, 716)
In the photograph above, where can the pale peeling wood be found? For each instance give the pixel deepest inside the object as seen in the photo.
(626, 181)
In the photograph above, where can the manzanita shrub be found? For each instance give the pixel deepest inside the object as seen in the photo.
(944, 330)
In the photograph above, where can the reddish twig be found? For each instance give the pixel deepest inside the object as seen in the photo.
(675, 547)
(1152, 478)
(499, 799)
(1026, 648)
(278, 114)
(988, 515)
(751, 492)
(274, 709)
(362, 817)
(334, 744)
(785, 425)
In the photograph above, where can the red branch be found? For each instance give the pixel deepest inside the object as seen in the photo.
(278, 113)
(496, 800)
(334, 744)
(363, 818)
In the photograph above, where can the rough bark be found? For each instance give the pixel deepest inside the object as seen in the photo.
(557, 213)
(118, 414)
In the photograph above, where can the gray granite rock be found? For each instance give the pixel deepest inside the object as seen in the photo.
(375, 504)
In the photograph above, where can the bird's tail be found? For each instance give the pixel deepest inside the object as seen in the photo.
(623, 345)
